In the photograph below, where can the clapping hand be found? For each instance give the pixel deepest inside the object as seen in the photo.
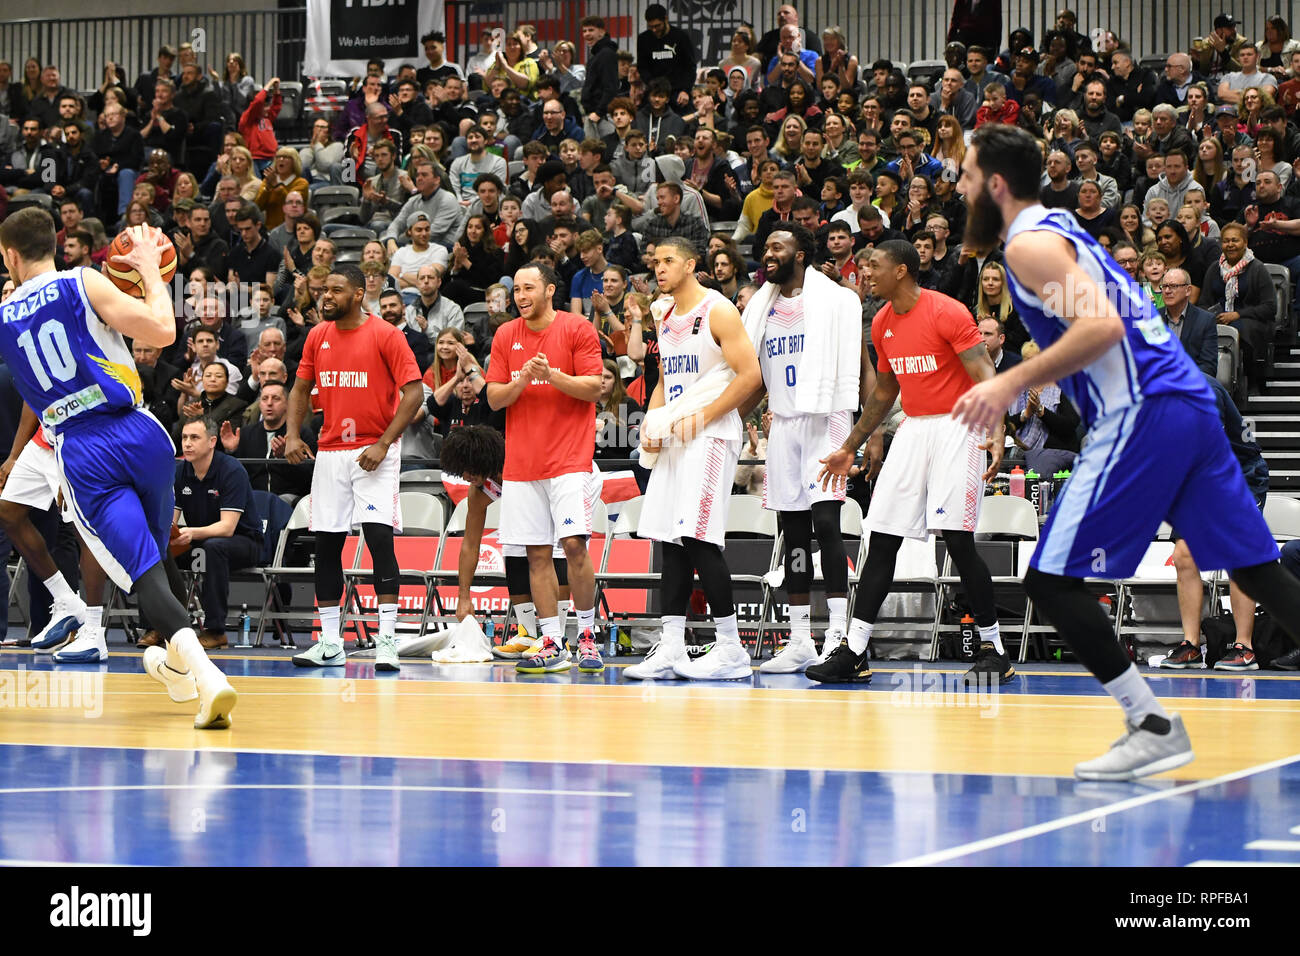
(277, 446)
(599, 304)
(229, 437)
(192, 409)
(538, 368)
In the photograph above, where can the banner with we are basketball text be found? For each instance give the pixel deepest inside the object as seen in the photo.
(343, 34)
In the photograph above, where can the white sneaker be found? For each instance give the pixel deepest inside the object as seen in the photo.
(180, 684)
(66, 615)
(832, 640)
(88, 648)
(658, 664)
(794, 658)
(724, 661)
(386, 653)
(216, 701)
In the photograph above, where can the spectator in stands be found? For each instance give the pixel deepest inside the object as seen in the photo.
(1194, 327)
(1180, 251)
(214, 496)
(359, 145)
(712, 176)
(44, 106)
(591, 277)
(1086, 156)
(607, 308)
(392, 311)
(432, 312)
(556, 126)
(282, 177)
(407, 110)
(466, 170)
(511, 63)
(253, 260)
(1239, 292)
(1092, 215)
(1177, 82)
(236, 88)
(1059, 191)
(384, 194)
(320, 154)
(551, 179)
(438, 67)
(265, 439)
(620, 245)
(1288, 90)
(266, 332)
(600, 84)
(1267, 149)
(1250, 76)
(357, 110)
(147, 83)
(1173, 183)
(666, 51)
(742, 55)
(954, 99)
(605, 194)
(1273, 221)
(993, 301)
(450, 108)
(430, 198)
(997, 108)
(976, 22)
(121, 152)
(457, 402)
(911, 160)
(656, 119)
(201, 247)
(1058, 65)
(1025, 79)
(203, 112)
(407, 261)
(211, 393)
(669, 220)
(1131, 87)
(476, 263)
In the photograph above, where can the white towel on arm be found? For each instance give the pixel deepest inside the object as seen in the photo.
(830, 369)
(658, 422)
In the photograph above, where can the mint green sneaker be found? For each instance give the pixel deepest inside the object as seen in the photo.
(321, 654)
(386, 653)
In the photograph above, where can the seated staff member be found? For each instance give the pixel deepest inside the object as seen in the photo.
(221, 525)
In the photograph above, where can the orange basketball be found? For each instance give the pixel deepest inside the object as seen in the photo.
(128, 280)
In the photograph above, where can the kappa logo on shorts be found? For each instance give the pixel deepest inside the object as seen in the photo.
(812, 486)
(568, 521)
(371, 508)
(939, 511)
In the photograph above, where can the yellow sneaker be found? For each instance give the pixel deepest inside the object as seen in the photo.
(518, 646)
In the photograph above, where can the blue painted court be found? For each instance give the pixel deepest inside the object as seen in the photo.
(471, 766)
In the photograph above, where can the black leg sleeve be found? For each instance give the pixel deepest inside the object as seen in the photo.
(877, 576)
(329, 567)
(715, 577)
(1079, 619)
(835, 560)
(975, 578)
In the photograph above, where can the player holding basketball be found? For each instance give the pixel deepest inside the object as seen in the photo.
(545, 371)
(369, 388)
(61, 336)
(1156, 452)
(931, 352)
(686, 501)
(810, 358)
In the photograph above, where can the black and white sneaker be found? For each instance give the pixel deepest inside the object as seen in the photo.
(842, 667)
(989, 661)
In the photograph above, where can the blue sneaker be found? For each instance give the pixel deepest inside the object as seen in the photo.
(589, 661)
(65, 617)
(89, 648)
(551, 659)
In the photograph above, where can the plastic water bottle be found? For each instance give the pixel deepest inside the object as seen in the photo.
(1017, 482)
(247, 624)
(969, 638)
(612, 650)
(1031, 484)
(1058, 482)
(489, 628)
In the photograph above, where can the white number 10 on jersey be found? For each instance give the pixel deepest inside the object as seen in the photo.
(53, 346)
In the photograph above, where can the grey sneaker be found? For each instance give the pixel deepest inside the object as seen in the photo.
(321, 654)
(1140, 753)
(386, 653)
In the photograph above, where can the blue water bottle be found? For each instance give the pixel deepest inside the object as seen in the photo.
(613, 641)
(489, 628)
(247, 624)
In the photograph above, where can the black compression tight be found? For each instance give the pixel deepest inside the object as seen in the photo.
(878, 576)
(517, 575)
(693, 555)
(1078, 618)
(158, 604)
(798, 529)
(1277, 590)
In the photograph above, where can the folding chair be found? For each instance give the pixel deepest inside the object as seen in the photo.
(1230, 371)
(928, 70)
(1155, 574)
(275, 514)
(423, 516)
(1282, 515)
(277, 573)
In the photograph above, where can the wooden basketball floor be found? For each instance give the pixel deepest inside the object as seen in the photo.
(473, 765)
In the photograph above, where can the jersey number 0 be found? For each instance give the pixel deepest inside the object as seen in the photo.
(50, 343)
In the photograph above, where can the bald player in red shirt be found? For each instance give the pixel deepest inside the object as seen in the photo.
(368, 385)
(929, 350)
(545, 372)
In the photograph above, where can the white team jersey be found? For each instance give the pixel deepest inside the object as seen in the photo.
(780, 354)
(687, 351)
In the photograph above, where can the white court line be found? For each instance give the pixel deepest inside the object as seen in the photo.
(1038, 829)
(61, 863)
(1282, 846)
(1218, 863)
(316, 786)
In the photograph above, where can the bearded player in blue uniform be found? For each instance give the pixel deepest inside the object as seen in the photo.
(61, 335)
(1156, 450)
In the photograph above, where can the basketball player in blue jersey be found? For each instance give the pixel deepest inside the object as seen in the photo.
(61, 336)
(1156, 449)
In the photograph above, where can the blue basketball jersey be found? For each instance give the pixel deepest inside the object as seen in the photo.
(1148, 361)
(69, 366)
